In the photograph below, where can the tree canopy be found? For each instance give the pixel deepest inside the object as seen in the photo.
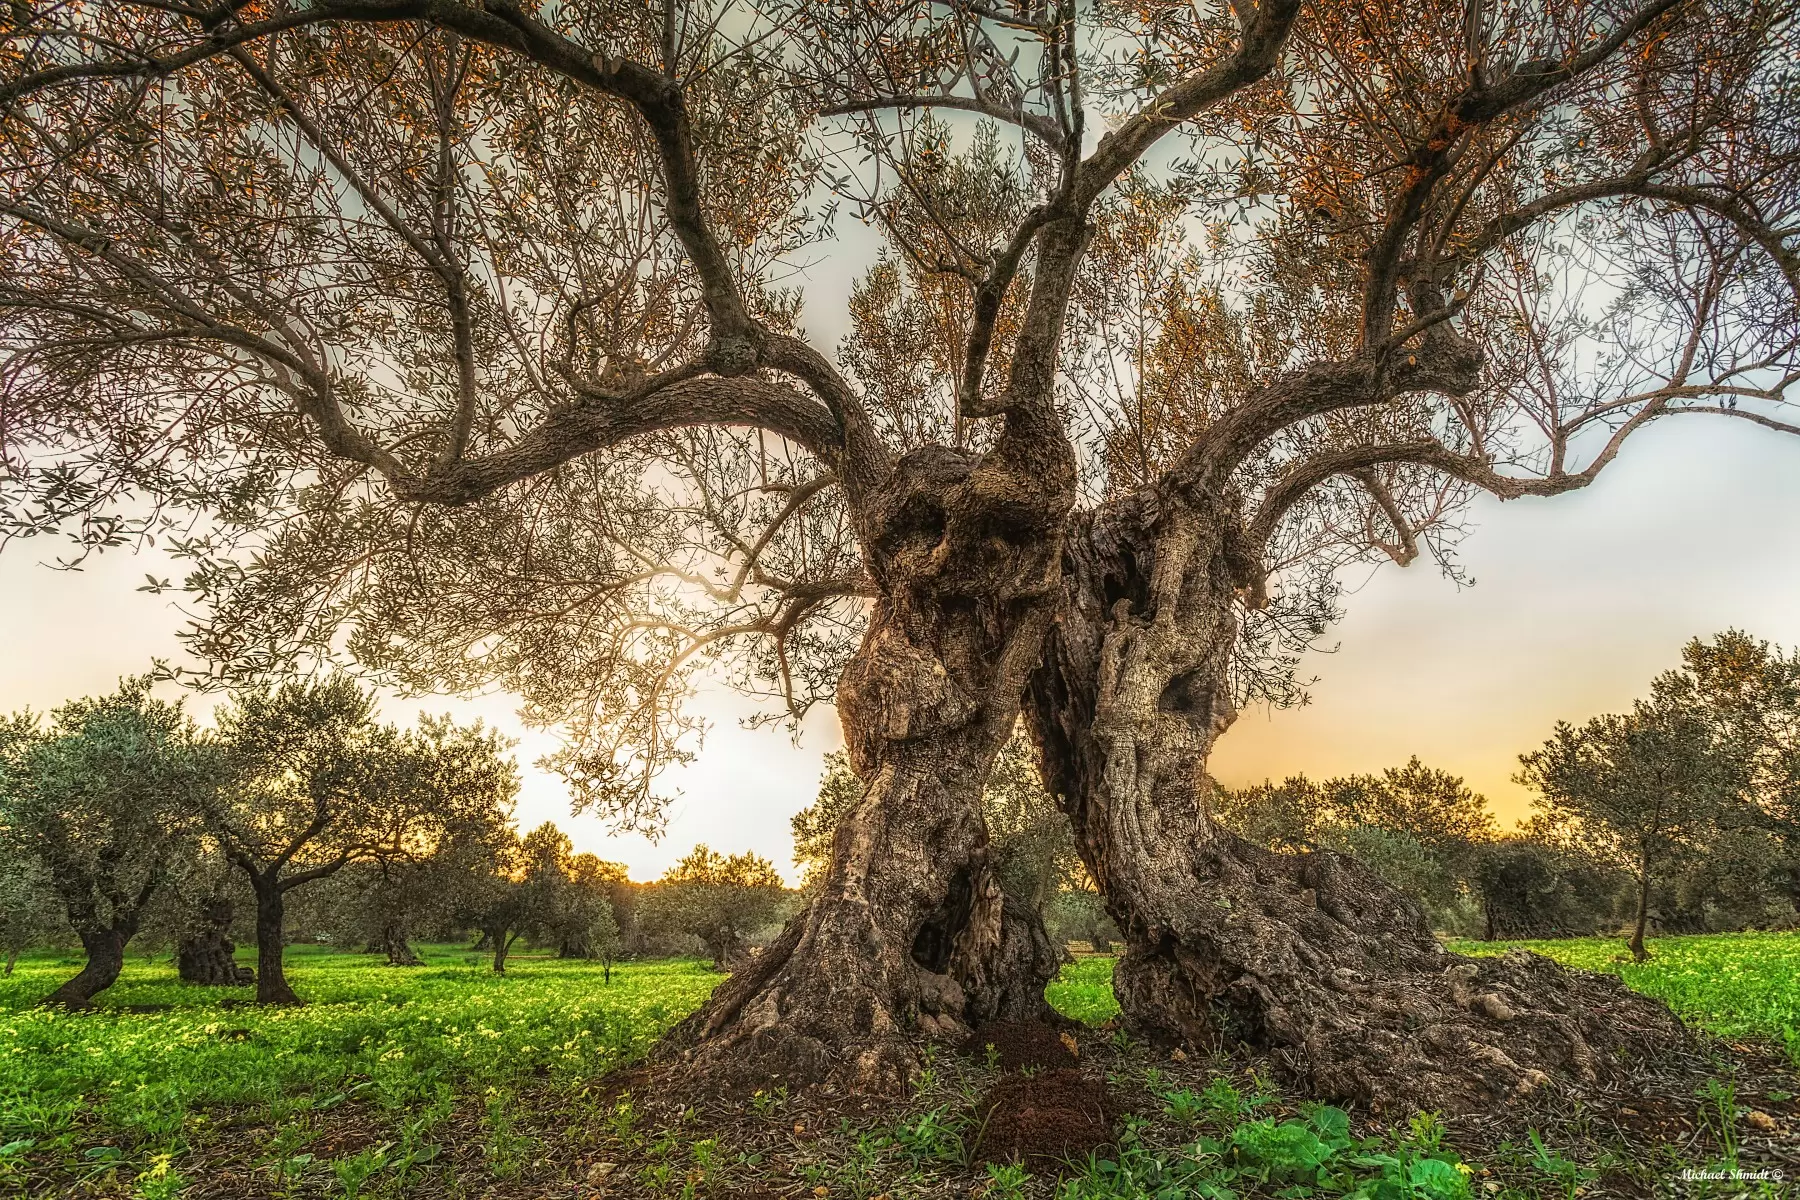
(321, 284)
(102, 797)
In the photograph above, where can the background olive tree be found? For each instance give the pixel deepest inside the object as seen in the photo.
(317, 783)
(101, 797)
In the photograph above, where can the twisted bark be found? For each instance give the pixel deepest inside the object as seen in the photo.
(1307, 956)
(397, 947)
(105, 947)
(205, 954)
(911, 936)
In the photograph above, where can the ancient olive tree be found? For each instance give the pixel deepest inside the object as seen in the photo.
(465, 337)
(102, 797)
(1030, 846)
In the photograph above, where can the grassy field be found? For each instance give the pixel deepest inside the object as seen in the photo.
(135, 1085)
(167, 1080)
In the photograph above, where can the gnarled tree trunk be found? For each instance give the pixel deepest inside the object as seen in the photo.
(105, 949)
(910, 936)
(205, 953)
(398, 949)
(1308, 956)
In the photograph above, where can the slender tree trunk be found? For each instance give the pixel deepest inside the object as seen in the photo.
(271, 938)
(105, 950)
(910, 936)
(12, 960)
(1638, 951)
(501, 944)
(1307, 955)
(205, 953)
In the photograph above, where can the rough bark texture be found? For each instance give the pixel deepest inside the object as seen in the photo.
(105, 959)
(1642, 920)
(205, 953)
(500, 942)
(271, 937)
(398, 949)
(911, 936)
(1308, 956)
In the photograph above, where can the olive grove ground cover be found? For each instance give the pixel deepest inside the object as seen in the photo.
(170, 1090)
(124, 1081)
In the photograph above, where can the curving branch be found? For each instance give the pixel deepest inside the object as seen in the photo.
(1264, 33)
(1435, 154)
(583, 428)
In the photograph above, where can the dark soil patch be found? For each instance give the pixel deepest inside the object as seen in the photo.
(1021, 1044)
(1047, 1117)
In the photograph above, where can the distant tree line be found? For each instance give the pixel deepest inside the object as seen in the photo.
(301, 815)
(1682, 815)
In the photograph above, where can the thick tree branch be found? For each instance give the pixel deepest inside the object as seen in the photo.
(1264, 33)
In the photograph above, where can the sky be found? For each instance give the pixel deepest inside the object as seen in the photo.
(1577, 602)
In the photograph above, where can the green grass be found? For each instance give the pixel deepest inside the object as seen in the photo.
(1737, 985)
(136, 1098)
(395, 1036)
(1084, 991)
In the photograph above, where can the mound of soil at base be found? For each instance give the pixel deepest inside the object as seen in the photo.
(1020, 1044)
(1046, 1117)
